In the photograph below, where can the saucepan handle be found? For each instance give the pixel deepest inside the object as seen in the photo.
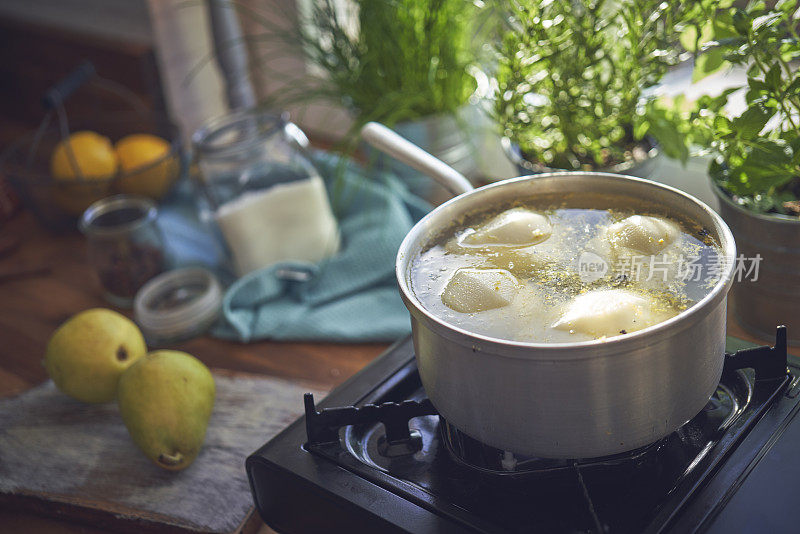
(390, 143)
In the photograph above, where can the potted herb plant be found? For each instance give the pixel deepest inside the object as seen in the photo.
(572, 80)
(756, 165)
(404, 63)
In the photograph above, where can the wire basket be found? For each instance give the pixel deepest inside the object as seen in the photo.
(58, 202)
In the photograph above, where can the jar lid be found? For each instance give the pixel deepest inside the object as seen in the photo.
(178, 304)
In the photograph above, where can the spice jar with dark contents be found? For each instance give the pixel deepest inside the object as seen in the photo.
(125, 245)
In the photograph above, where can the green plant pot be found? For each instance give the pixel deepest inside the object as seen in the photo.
(774, 298)
(641, 168)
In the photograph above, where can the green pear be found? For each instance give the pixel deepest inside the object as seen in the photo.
(166, 400)
(88, 353)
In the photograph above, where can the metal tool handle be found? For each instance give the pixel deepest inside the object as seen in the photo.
(231, 53)
(392, 144)
(61, 91)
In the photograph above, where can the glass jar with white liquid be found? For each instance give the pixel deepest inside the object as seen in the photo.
(267, 199)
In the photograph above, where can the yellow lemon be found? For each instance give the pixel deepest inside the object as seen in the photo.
(85, 175)
(94, 156)
(147, 167)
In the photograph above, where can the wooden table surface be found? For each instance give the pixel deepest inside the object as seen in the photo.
(31, 308)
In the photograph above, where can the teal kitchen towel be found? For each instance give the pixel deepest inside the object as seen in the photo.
(351, 296)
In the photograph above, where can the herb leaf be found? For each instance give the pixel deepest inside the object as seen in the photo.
(751, 122)
(757, 153)
(572, 76)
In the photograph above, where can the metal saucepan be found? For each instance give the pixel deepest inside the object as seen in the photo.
(563, 400)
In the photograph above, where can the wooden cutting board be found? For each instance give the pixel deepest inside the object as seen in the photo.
(66, 459)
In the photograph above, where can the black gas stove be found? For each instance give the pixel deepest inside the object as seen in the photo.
(375, 457)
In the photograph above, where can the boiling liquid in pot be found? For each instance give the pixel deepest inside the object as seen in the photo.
(566, 268)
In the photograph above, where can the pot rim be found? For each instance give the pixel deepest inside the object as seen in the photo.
(777, 218)
(405, 255)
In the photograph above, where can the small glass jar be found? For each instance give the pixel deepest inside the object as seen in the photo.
(126, 248)
(177, 305)
(266, 197)
(248, 150)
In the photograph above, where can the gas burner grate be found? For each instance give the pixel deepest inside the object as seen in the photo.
(397, 440)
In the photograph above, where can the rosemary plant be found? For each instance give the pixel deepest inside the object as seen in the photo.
(572, 76)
